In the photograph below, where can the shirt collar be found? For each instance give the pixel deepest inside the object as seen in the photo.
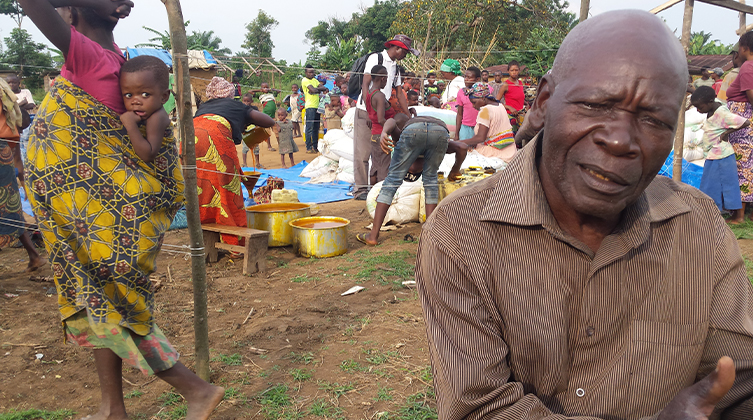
(519, 199)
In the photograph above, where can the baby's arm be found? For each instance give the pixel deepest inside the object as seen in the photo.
(146, 148)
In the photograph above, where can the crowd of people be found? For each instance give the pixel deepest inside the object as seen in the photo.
(571, 274)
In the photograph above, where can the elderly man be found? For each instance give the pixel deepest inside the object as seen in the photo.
(395, 50)
(575, 283)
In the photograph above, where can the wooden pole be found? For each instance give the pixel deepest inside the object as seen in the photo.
(584, 6)
(198, 261)
(743, 23)
(687, 22)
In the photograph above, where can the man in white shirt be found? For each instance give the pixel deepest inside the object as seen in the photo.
(395, 50)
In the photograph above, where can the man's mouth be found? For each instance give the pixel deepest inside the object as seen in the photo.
(603, 181)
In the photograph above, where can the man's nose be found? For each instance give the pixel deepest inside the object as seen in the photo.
(619, 136)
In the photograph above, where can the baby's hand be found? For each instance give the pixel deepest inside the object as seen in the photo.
(129, 119)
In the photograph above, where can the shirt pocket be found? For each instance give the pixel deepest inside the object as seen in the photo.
(663, 359)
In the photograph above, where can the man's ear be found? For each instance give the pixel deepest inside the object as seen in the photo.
(538, 109)
(165, 96)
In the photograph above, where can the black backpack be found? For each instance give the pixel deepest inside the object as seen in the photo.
(356, 75)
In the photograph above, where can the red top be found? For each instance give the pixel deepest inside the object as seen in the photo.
(95, 70)
(389, 112)
(515, 95)
(744, 82)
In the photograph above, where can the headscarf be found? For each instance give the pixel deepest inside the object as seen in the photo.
(479, 90)
(451, 66)
(220, 88)
(9, 106)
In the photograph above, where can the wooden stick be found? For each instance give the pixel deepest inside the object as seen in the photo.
(169, 275)
(248, 316)
(198, 263)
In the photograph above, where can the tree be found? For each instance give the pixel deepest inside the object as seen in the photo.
(345, 41)
(161, 40)
(28, 57)
(464, 27)
(206, 40)
(12, 9)
(258, 37)
(701, 44)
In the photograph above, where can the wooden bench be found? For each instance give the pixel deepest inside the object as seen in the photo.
(254, 253)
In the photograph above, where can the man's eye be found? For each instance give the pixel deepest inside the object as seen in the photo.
(592, 105)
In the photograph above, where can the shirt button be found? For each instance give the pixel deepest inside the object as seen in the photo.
(590, 331)
(580, 392)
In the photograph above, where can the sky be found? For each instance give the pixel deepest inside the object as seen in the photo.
(229, 18)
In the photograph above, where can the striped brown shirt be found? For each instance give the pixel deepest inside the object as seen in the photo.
(526, 322)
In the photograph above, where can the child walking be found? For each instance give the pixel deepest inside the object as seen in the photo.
(105, 259)
(719, 180)
(284, 130)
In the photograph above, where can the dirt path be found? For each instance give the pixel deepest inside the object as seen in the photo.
(324, 355)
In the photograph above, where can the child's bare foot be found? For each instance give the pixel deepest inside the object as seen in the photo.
(735, 221)
(35, 264)
(202, 403)
(102, 416)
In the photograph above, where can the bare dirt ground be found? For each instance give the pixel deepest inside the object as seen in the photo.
(324, 355)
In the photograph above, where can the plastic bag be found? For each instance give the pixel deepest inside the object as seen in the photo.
(320, 165)
(405, 203)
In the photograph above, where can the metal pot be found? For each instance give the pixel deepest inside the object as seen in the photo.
(320, 237)
(274, 218)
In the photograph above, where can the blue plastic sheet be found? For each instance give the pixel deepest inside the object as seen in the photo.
(307, 193)
(691, 173)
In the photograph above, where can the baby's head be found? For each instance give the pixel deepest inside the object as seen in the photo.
(145, 85)
(248, 98)
(282, 114)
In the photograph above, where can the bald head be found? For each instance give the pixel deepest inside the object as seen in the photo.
(623, 38)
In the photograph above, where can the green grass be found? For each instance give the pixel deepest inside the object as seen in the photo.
(133, 394)
(169, 398)
(300, 375)
(335, 388)
(302, 278)
(34, 414)
(351, 366)
(277, 404)
(375, 357)
(383, 394)
(229, 360)
(743, 230)
(176, 408)
(305, 358)
(380, 266)
(417, 407)
(176, 412)
(323, 408)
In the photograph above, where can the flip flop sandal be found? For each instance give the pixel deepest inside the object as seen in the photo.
(271, 149)
(411, 177)
(362, 238)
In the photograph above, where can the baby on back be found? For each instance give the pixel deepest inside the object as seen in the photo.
(144, 83)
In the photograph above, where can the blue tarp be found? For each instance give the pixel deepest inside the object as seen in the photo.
(163, 55)
(307, 193)
(691, 173)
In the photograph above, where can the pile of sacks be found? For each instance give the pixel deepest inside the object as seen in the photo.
(336, 164)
